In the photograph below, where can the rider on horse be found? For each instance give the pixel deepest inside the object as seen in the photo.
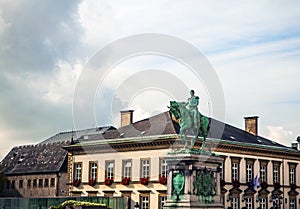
(192, 103)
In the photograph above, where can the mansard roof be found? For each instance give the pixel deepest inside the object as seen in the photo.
(68, 135)
(163, 124)
(40, 158)
(47, 156)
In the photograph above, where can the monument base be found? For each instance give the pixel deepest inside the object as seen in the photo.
(193, 181)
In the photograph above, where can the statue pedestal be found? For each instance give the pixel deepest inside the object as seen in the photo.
(193, 181)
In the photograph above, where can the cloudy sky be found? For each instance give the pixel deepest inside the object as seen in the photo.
(253, 46)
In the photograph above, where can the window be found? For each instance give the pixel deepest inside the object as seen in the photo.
(275, 174)
(292, 175)
(21, 183)
(221, 172)
(235, 171)
(127, 169)
(162, 200)
(34, 184)
(46, 183)
(292, 172)
(52, 182)
(292, 204)
(77, 168)
(40, 182)
(93, 171)
(110, 169)
(7, 184)
(235, 163)
(235, 203)
(145, 168)
(263, 203)
(263, 173)
(249, 172)
(144, 202)
(13, 184)
(29, 183)
(163, 168)
(249, 204)
(276, 171)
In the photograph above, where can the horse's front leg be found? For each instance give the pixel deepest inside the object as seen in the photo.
(183, 137)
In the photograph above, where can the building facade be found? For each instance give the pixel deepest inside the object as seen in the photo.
(129, 161)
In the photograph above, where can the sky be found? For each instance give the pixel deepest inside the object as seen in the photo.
(252, 46)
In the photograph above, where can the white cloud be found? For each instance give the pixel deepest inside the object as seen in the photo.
(280, 134)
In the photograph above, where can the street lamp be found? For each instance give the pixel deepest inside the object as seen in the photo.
(136, 206)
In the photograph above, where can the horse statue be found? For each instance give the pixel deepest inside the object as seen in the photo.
(186, 123)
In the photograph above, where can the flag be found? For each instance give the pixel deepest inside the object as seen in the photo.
(257, 181)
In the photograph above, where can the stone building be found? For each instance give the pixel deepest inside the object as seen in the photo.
(41, 170)
(130, 161)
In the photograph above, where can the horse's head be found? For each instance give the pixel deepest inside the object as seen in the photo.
(174, 109)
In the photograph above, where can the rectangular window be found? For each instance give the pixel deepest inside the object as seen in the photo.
(235, 168)
(29, 183)
(52, 182)
(276, 174)
(110, 169)
(235, 203)
(249, 203)
(144, 202)
(21, 183)
(127, 169)
(292, 175)
(13, 184)
(221, 172)
(263, 173)
(40, 182)
(34, 184)
(263, 203)
(46, 183)
(78, 172)
(162, 200)
(7, 184)
(249, 172)
(163, 168)
(292, 204)
(93, 171)
(145, 168)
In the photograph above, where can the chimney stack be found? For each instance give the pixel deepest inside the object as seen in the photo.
(126, 117)
(251, 125)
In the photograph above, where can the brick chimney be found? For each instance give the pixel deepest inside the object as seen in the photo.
(126, 117)
(251, 125)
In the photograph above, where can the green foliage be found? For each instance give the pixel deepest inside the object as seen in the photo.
(74, 203)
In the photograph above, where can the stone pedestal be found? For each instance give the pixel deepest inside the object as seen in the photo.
(193, 181)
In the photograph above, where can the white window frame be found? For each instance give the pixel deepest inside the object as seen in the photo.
(235, 171)
(145, 202)
(78, 171)
(276, 174)
(145, 168)
(263, 203)
(292, 204)
(110, 169)
(263, 173)
(127, 169)
(163, 168)
(292, 175)
(249, 173)
(235, 203)
(93, 170)
(249, 203)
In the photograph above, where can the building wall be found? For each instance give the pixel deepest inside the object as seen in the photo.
(154, 189)
(47, 185)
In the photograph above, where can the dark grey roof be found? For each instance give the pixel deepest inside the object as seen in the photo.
(67, 136)
(163, 124)
(40, 158)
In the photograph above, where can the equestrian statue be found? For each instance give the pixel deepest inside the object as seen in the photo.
(190, 119)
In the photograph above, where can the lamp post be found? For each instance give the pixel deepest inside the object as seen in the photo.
(136, 206)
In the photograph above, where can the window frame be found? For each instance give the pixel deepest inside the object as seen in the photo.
(263, 173)
(125, 170)
(276, 173)
(107, 162)
(93, 171)
(142, 168)
(235, 176)
(163, 167)
(76, 169)
(141, 200)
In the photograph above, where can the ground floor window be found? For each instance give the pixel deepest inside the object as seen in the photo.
(249, 204)
(292, 204)
(145, 201)
(162, 200)
(235, 203)
(263, 203)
